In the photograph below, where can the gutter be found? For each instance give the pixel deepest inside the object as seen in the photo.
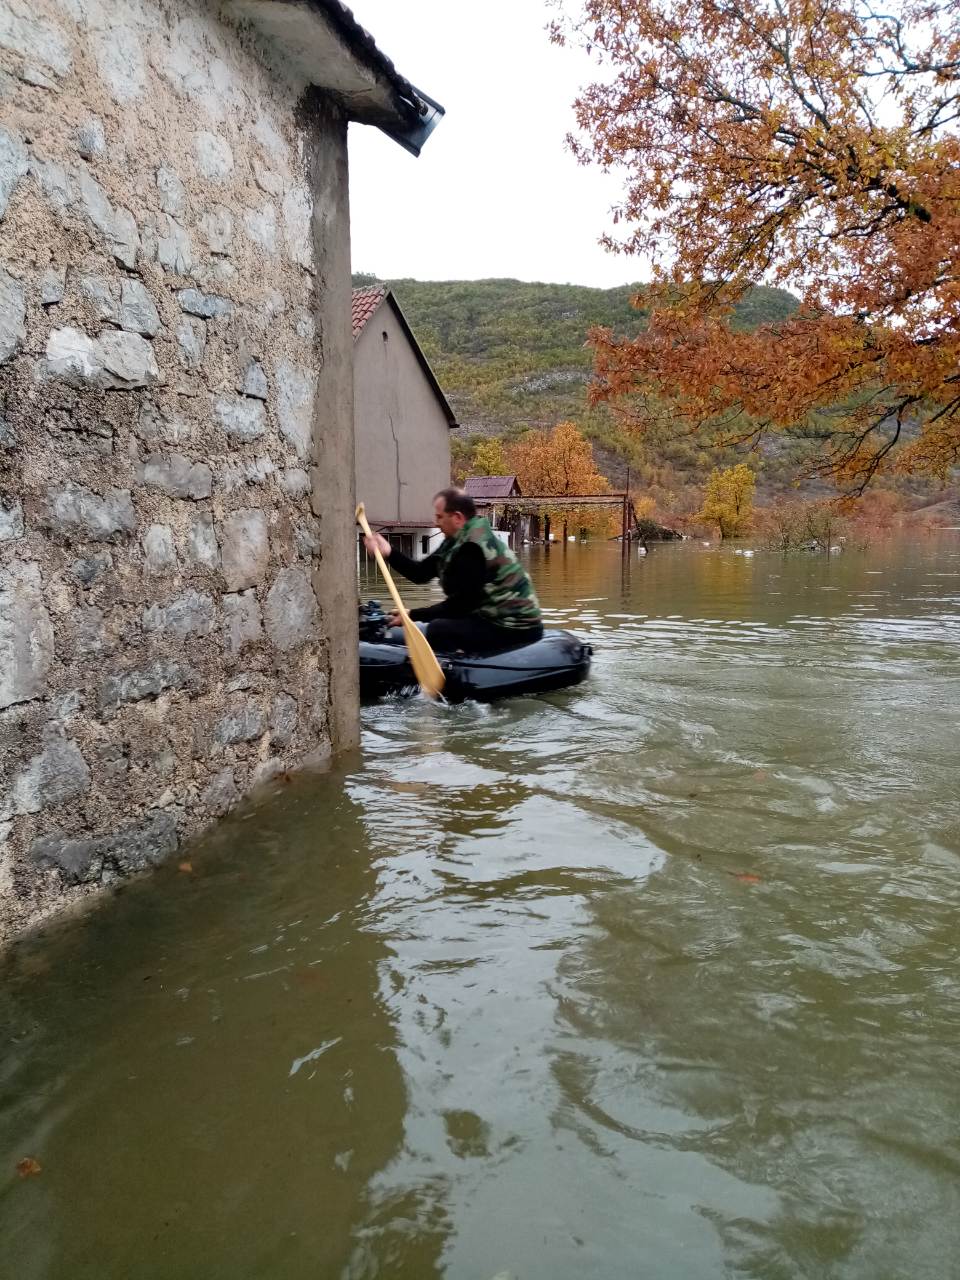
(322, 42)
(423, 111)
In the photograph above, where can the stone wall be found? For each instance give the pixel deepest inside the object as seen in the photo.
(162, 646)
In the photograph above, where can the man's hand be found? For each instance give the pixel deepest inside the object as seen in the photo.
(393, 620)
(378, 540)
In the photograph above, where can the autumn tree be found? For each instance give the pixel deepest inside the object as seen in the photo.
(489, 458)
(728, 500)
(482, 456)
(461, 453)
(812, 146)
(811, 525)
(560, 462)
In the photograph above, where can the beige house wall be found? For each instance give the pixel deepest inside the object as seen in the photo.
(402, 435)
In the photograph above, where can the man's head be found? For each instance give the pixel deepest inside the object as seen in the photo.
(452, 509)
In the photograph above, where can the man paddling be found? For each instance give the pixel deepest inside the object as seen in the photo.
(490, 603)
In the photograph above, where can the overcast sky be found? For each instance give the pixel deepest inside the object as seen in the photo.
(495, 192)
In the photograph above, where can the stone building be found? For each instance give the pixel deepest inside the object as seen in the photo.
(402, 424)
(177, 590)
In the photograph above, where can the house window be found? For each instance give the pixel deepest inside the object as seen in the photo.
(425, 545)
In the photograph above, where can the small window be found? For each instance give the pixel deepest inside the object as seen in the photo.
(425, 545)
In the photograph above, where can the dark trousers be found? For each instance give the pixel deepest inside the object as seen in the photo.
(477, 635)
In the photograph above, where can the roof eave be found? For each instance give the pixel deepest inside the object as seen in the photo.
(424, 363)
(311, 37)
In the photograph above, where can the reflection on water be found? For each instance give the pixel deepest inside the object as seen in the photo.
(206, 1070)
(656, 976)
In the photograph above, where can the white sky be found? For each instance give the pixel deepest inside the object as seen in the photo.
(495, 191)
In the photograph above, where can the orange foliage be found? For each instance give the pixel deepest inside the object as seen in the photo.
(809, 146)
(877, 513)
(561, 462)
(556, 462)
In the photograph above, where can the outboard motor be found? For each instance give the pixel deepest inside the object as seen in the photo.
(373, 622)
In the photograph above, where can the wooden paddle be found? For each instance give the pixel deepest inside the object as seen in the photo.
(426, 668)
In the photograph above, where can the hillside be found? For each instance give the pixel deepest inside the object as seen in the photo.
(511, 354)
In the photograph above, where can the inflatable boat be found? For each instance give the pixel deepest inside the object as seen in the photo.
(556, 661)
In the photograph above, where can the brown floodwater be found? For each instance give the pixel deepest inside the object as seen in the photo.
(653, 977)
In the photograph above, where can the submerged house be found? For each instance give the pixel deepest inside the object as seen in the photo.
(176, 416)
(403, 424)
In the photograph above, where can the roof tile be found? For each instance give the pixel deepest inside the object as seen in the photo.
(364, 306)
(492, 487)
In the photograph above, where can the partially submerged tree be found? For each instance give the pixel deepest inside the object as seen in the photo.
(810, 525)
(728, 500)
(813, 146)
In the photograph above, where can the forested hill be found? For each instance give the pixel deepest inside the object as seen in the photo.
(510, 354)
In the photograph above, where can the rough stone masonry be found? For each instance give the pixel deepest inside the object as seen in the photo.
(162, 646)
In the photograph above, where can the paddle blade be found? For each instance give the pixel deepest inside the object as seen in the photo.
(426, 668)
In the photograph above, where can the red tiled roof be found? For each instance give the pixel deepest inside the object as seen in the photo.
(492, 487)
(365, 304)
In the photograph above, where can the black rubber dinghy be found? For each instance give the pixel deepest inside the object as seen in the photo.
(555, 662)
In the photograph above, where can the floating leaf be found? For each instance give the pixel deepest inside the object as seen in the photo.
(28, 1167)
(187, 868)
(746, 878)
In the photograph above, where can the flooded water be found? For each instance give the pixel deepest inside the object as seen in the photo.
(654, 977)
